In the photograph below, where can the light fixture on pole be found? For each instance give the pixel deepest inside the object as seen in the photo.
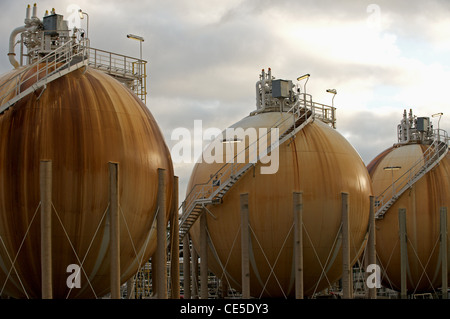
(334, 92)
(81, 13)
(305, 76)
(138, 38)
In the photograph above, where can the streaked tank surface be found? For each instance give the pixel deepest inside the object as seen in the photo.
(317, 161)
(80, 121)
(419, 146)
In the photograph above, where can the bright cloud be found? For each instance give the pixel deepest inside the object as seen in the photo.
(205, 57)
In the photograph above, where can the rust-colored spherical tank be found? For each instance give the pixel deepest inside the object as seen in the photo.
(320, 163)
(80, 122)
(422, 203)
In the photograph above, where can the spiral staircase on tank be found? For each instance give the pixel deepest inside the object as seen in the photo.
(304, 111)
(435, 152)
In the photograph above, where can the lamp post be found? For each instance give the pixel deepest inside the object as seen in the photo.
(392, 169)
(305, 76)
(334, 92)
(81, 13)
(138, 38)
(438, 132)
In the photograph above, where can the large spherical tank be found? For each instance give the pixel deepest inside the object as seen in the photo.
(80, 122)
(422, 203)
(320, 163)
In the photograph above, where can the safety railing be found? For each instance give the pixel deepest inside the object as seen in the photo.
(323, 112)
(61, 58)
(40, 46)
(243, 160)
(128, 69)
(122, 65)
(432, 155)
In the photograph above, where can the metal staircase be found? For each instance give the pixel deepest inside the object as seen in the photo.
(431, 157)
(65, 59)
(220, 183)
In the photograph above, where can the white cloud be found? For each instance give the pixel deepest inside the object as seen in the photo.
(205, 57)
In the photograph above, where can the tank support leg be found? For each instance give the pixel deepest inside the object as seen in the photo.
(114, 228)
(161, 237)
(444, 253)
(245, 263)
(186, 267)
(203, 258)
(298, 244)
(46, 229)
(224, 288)
(194, 273)
(403, 252)
(371, 245)
(154, 269)
(175, 245)
(347, 286)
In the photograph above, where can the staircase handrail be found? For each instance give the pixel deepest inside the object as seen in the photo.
(432, 155)
(227, 172)
(226, 167)
(62, 55)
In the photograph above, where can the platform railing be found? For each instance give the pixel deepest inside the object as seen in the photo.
(127, 69)
(36, 74)
(232, 170)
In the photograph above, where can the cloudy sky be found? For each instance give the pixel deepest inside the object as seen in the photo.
(206, 55)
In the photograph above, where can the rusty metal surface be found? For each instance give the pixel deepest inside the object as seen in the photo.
(422, 203)
(80, 122)
(321, 164)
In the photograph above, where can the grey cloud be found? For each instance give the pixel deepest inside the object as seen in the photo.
(204, 57)
(370, 132)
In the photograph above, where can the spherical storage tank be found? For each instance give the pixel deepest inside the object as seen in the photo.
(422, 198)
(317, 161)
(80, 121)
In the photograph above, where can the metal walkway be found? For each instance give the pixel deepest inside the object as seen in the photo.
(431, 157)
